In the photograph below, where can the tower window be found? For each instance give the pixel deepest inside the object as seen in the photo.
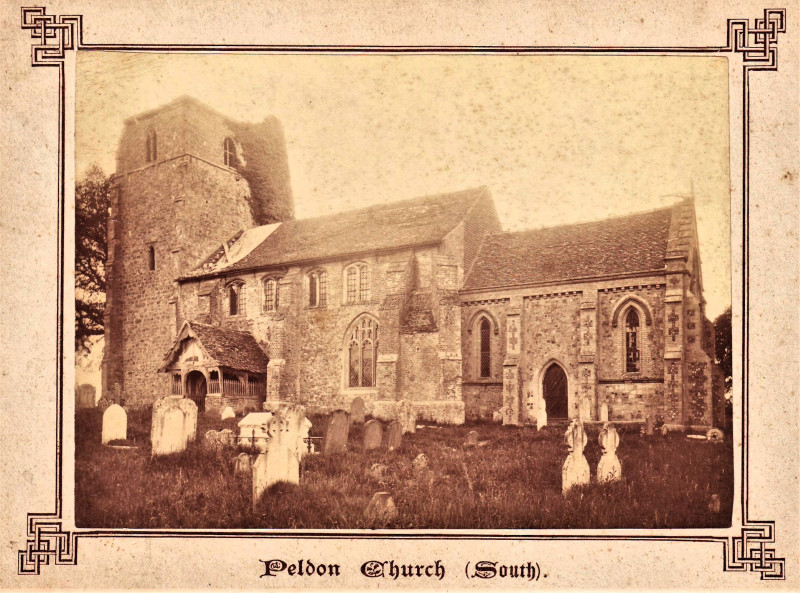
(229, 152)
(151, 257)
(152, 146)
(632, 342)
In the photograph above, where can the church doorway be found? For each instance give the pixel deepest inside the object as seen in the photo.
(555, 392)
(196, 389)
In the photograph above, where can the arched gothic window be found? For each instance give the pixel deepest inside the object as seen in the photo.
(485, 348)
(235, 297)
(632, 341)
(152, 146)
(318, 288)
(362, 352)
(270, 294)
(229, 152)
(357, 288)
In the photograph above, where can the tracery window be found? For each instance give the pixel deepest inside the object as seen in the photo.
(318, 288)
(152, 146)
(270, 294)
(485, 348)
(362, 352)
(235, 296)
(357, 284)
(229, 152)
(632, 341)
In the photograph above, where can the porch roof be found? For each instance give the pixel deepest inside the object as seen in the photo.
(224, 347)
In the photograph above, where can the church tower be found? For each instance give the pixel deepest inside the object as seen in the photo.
(187, 179)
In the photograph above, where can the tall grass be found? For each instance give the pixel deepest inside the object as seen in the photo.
(512, 481)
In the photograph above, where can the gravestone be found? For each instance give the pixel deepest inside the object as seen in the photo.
(472, 438)
(357, 411)
(407, 416)
(576, 468)
(302, 445)
(609, 468)
(497, 416)
(377, 471)
(381, 508)
(714, 506)
(420, 463)
(604, 412)
(242, 464)
(336, 433)
(282, 458)
(373, 434)
(227, 412)
(103, 404)
(259, 477)
(541, 415)
(393, 435)
(173, 425)
(84, 396)
(253, 430)
(649, 425)
(115, 424)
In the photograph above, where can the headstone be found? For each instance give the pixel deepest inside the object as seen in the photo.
(420, 463)
(604, 412)
(377, 471)
(226, 437)
(283, 452)
(576, 468)
(714, 506)
(259, 477)
(373, 434)
(253, 430)
(393, 436)
(336, 433)
(212, 439)
(381, 508)
(649, 425)
(407, 416)
(357, 411)
(174, 424)
(84, 396)
(243, 464)
(609, 468)
(302, 446)
(227, 412)
(472, 438)
(541, 415)
(497, 416)
(115, 424)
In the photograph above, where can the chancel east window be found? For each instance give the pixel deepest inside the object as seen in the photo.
(632, 342)
(318, 289)
(152, 146)
(357, 288)
(362, 352)
(235, 296)
(270, 294)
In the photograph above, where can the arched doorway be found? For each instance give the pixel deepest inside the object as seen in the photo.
(196, 389)
(554, 388)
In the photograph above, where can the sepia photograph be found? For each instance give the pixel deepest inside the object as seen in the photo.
(413, 292)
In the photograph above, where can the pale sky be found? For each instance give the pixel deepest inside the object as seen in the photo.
(557, 139)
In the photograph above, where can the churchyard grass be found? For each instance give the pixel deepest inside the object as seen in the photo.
(511, 480)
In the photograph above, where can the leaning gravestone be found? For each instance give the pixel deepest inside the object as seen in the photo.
(115, 424)
(576, 468)
(393, 436)
(336, 433)
(541, 415)
(609, 469)
(373, 434)
(357, 411)
(407, 416)
(381, 508)
(174, 424)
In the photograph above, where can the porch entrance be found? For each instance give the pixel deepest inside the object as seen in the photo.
(196, 389)
(554, 387)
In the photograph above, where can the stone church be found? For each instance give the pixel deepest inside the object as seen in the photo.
(215, 292)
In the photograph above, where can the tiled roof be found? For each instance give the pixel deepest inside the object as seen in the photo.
(418, 221)
(623, 245)
(231, 348)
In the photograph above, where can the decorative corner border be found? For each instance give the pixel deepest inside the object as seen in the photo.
(46, 542)
(55, 35)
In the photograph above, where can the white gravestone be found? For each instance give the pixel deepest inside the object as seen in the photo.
(407, 416)
(281, 462)
(227, 412)
(609, 469)
(541, 415)
(576, 469)
(173, 426)
(115, 424)
(604, 412)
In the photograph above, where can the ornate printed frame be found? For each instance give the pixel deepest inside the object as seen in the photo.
(54, 35)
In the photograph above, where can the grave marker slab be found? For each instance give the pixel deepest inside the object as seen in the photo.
(357, 411)
(541, 415)
(576, 468)
(472, 438)
(242, 464)
(373, 434)
(336, 433)
(227, 412)
(381, 508)
(115, 424)
(84, 396)
(174, 424)
(609, 468)
(604, 412)
(407, 416)
(393, 435)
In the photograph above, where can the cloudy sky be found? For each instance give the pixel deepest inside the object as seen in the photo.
(557, 139)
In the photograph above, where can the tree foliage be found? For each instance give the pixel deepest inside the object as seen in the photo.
(723, 339)
(92, 201)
